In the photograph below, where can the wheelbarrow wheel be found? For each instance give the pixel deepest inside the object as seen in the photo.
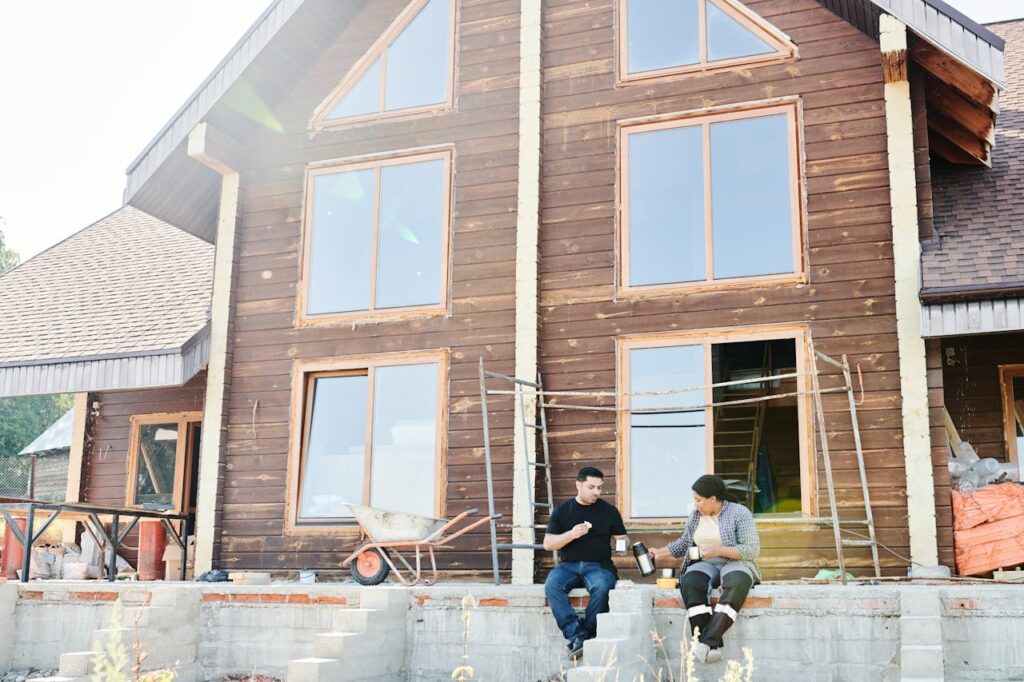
(370, 568)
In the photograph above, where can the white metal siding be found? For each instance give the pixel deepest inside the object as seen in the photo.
(972, 317)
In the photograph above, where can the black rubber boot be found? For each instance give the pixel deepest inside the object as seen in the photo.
(694, 588)
(735, 587)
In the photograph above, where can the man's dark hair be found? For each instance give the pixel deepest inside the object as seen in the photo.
(589, 472)
(710, 486)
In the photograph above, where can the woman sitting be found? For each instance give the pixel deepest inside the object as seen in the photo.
(719, 545)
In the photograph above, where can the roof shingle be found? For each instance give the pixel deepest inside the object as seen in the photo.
(979, 212)
(127, 284)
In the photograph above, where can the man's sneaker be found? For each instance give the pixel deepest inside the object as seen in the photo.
(575, 648)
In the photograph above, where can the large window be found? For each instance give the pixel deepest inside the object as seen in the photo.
(408, 70)
(710, 199)
(161, 454)
(667, 37)
(376, 237)
(370, 432)
(1012, 379)
(676, 427)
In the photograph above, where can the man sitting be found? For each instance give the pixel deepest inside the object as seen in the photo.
(581, 529)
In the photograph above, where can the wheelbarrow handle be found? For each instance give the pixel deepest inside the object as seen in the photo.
(474, 510)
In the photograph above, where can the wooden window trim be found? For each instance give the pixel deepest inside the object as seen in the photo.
(377, 162)
(704, 118)
(708, 338)
(1007, 373)
(302, 387)
(785, 49)
(183, 454)
(378, 49)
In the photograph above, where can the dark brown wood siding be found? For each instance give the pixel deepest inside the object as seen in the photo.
(106, 464)
(848, 304)
(970, 368)
(266, 340)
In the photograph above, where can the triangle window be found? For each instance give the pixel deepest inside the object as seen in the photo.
(670, 36)
(409, 69)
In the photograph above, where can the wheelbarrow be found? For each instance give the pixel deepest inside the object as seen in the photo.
(390, 532)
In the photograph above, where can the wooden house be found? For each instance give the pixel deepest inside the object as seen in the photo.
(620, 196)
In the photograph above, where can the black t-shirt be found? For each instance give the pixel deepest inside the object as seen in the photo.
(596, 544)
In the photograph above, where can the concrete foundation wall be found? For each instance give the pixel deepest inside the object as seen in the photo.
(807, 632)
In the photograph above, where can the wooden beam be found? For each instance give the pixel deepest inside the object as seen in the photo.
(956, 134)
(215, 149)
(978, 120)
(950, 71)
(941, 146)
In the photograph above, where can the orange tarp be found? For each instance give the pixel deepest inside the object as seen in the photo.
(988, 528)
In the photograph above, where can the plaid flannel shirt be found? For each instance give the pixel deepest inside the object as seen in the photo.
(736, 524)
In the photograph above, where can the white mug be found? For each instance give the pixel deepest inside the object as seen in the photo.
(620, 545)
(695, 554)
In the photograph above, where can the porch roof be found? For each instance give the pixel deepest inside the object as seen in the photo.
(121, 304)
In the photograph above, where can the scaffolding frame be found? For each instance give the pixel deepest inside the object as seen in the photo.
(521, 390)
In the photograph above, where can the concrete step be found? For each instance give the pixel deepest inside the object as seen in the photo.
(920, 601)
(921, 630)
(366, 620)
(347, 644)
(76, 664)
(618, 625)
(314, 670)
(592, 673)
(921, 661)
(602, 651)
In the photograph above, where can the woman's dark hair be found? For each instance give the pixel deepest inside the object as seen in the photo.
(592, 472)
(710, 485)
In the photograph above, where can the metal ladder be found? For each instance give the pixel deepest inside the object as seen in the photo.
(868, 520)
(539, 425)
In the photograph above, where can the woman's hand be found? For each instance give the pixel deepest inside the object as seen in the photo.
(660, 554)
(719, 551)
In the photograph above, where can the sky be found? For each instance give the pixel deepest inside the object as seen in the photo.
(86, 85)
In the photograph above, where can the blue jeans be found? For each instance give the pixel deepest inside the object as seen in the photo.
(598, 580)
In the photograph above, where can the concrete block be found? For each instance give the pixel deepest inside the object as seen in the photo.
(922, 661)
(314, 670)
(78, 663)
(615, 625)
(921, 630)
(605, 652)
(633, 599)
(364, 620)
(384, 598)
(920, 601)
(346, 644)
(591, 673)
(56, 678)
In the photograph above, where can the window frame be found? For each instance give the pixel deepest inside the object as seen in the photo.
(183, 454)
(785, 49)
(377, 162)
(708, 338)
(790, 107)
(378, 49)
(303, 373)
(1007, 373)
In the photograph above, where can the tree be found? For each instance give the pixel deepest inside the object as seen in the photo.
(23, 419)
(8, 258)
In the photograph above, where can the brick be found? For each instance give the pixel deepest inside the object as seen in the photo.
(214, 597)
(94, 596)
(299, 598)
(245, 598)
(30, 594)
(493, 602)
(273, 598)
(671, 603)
(336, 601)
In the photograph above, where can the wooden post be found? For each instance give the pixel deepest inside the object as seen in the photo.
(907, 260)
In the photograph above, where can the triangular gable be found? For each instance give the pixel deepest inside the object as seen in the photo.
(409, 69)
(659, 39)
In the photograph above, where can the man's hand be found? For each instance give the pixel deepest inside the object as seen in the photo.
(553, 543)
(579, 530)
